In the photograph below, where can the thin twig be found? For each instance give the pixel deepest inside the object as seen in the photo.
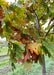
(31, 37)
(49, 30)
(16, 29)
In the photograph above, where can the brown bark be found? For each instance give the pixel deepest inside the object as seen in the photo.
(43, 68)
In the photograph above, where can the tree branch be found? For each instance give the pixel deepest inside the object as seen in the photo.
(38, 27)
(51, 33)
(31, 37)
(50, 21)
(49, 30)
(37, 20)
(15, 29)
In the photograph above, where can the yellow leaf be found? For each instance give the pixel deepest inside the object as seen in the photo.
(6, 4)
(34, 47)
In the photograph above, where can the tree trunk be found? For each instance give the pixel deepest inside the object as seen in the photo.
(43, 58)
(43, 68)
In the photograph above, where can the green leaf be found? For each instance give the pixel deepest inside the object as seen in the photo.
(13, 66)
(14, 60)
(21, 1)
(25, 32)
(19, 49)
(22, 47)
(46, 6)
(49, 46)
(40, 60)
(15, 42)
(8, 29)
(18, 54)
(12, 7)
(6, 18)
(46, 51)
(6, 34)
(37, 34)
(38, 41)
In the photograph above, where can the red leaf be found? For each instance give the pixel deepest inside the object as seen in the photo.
(35, 57)
(20, 60)
(12, 38)
(27, 56)
(1, 30)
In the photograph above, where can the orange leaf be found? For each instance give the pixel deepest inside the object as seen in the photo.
(34, 47)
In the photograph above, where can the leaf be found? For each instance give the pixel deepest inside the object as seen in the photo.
(34, 47)
(46, 51)
(12, 7)
(35, 57)
(13, 66)
(27, 56)
(22, 47)
(6, 4)
(3, 3)
(15, 42)
(19, 49)
(14, 60)
(8, 29)
(37, 34)
(40, 60)
(6, 18)
(18, 54)
(50, 46)
(48, 9)
(38, 41)
(6, 33)
(21, 1)
(20, 60)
